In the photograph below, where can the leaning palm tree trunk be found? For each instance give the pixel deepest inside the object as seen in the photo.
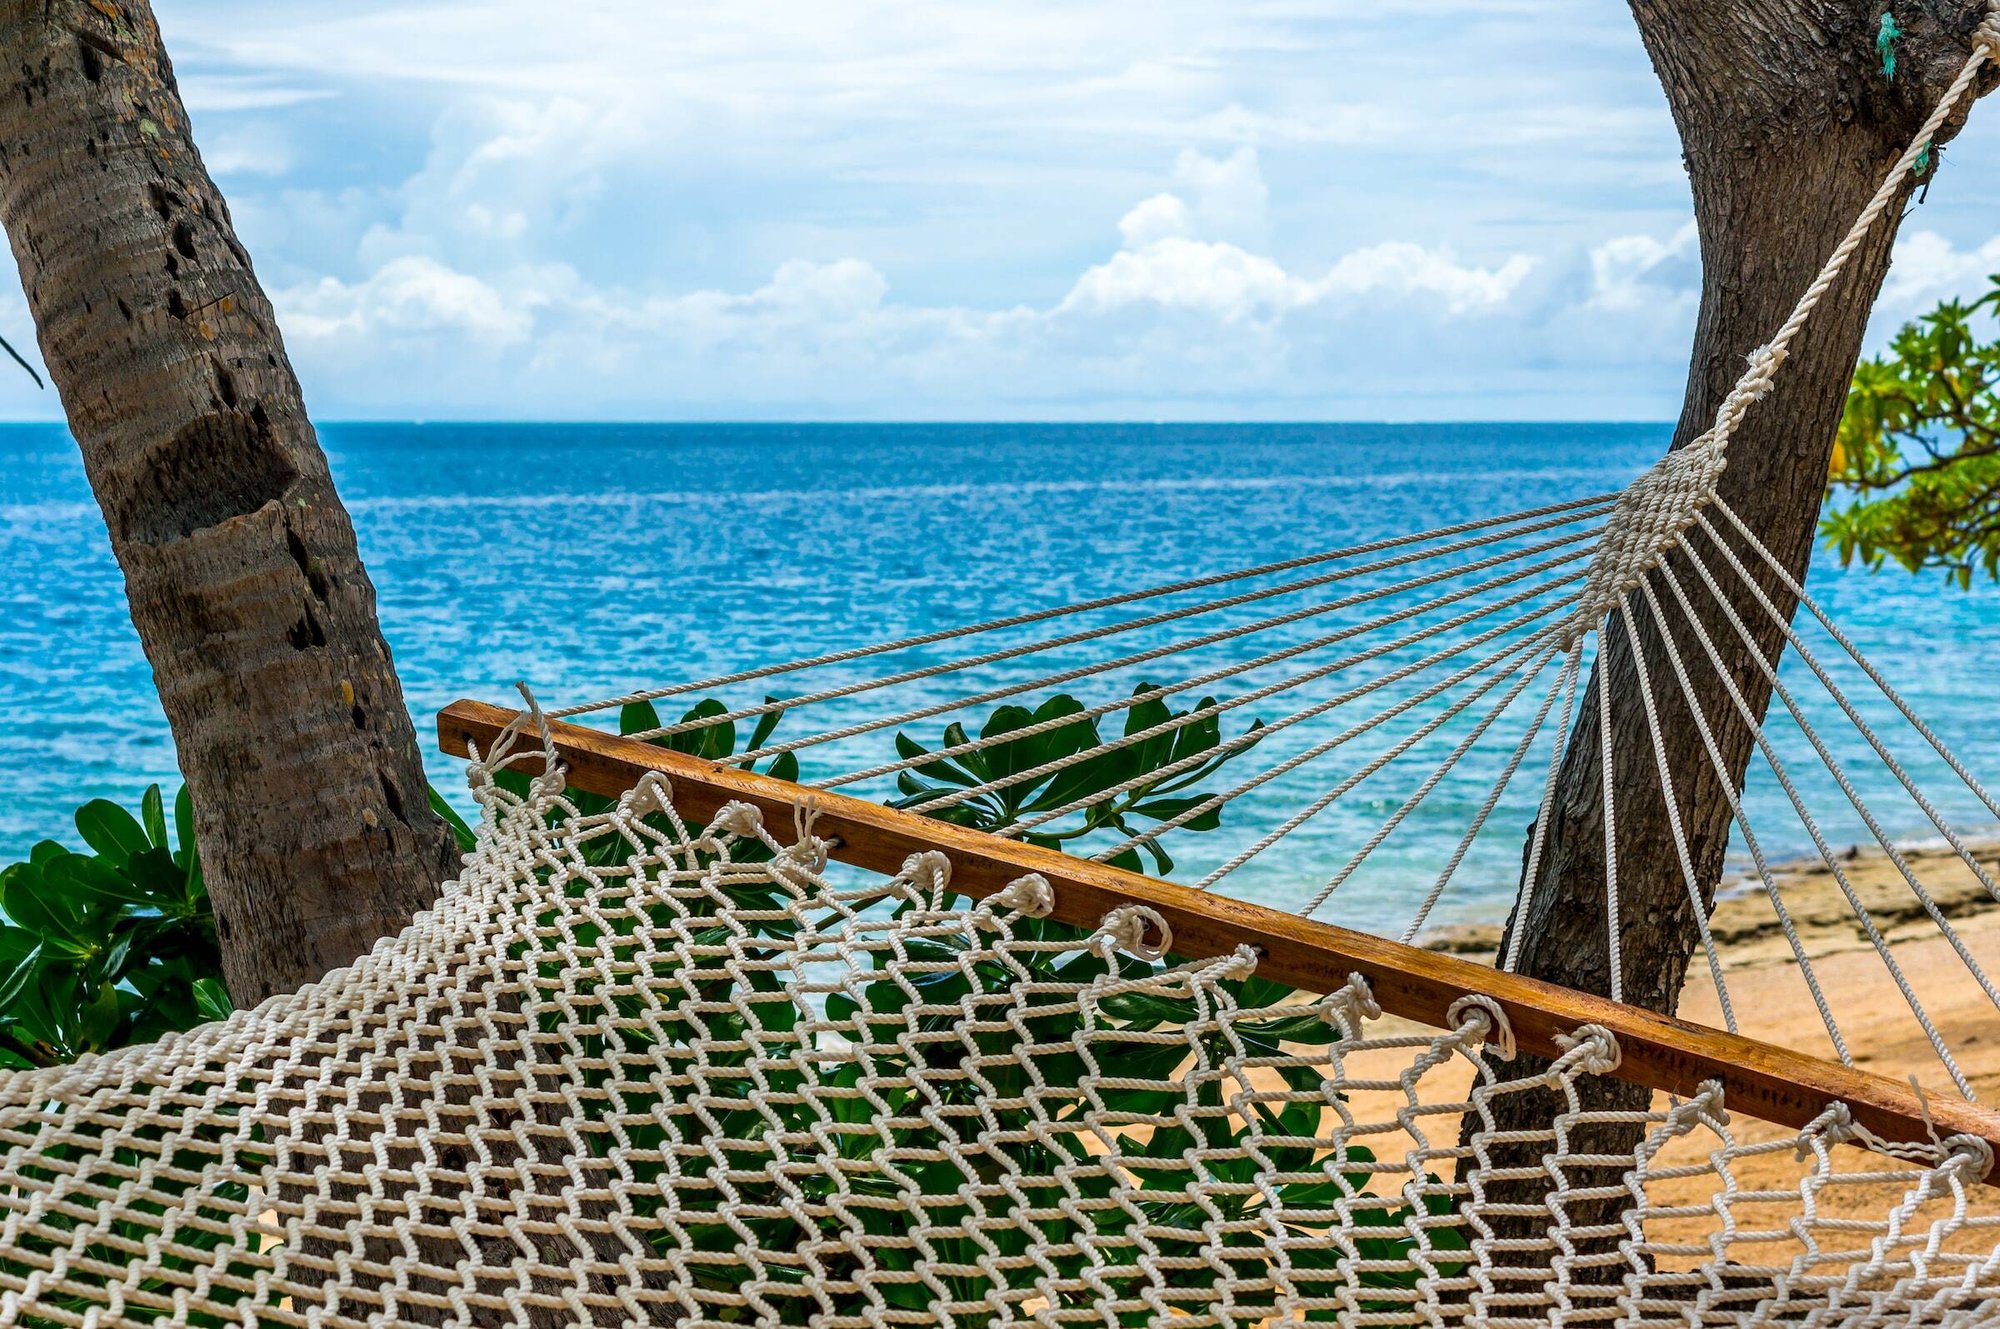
(240, 563)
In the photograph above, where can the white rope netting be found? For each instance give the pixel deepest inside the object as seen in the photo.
(708, 1080)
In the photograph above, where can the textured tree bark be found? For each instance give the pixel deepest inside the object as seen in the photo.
(249, 596)
(1788, 125)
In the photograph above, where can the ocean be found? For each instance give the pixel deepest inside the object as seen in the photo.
(591, 559)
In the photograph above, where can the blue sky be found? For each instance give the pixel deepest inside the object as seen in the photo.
(1125, 209)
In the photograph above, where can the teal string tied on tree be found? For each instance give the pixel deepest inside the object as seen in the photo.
(1885, 43)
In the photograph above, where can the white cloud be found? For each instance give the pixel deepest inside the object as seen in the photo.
(1178, 273)
(1167, 316)
(1161, 217)
(1403, 268)
(1636, 272)
(406, 296)
(1230, 284)
(1928, 268)
(1174, 257)
(1230, 196)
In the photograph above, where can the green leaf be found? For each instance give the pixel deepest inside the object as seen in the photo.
(711, 741)
(153, 878)
(43, 901)
(184, 823)
(767, 724)
(110, 830)
(638, 717)
(211, 999)
(448, 814)
(945, 769)
(152, 811)
(17, 967)
(97, 1024)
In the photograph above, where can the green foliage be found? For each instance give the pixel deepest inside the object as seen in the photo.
(1918, 453)
(203, 1224)
(116, 944)
(108, 947)
(1158, 799)
(712, 742)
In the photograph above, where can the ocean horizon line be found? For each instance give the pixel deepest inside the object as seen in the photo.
(865, 422)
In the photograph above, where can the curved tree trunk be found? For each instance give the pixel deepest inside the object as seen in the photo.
(250, 599)
(1788, 125)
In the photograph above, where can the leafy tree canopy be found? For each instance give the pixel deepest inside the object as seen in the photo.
(1916, 470)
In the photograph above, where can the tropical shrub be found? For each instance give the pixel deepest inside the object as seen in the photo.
(1918, 456)
(111, 946)
(1144, 796)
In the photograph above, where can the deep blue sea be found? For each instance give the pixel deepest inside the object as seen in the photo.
(590, 559)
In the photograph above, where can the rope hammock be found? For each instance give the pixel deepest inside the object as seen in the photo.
(841, 1027)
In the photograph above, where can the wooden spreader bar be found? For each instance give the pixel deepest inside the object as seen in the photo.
(1759, 1079)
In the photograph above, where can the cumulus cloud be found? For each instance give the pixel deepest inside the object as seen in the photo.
(406, 296)
(1229, 193)
(1220, 279)
(1169, 315)
(1635, 272)
(1402, 268)
(1174, 257)
(1928, 268)
(988, 208)
(1175, 272)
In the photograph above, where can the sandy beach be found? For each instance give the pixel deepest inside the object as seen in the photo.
(1772, 1002)
(1764, 979)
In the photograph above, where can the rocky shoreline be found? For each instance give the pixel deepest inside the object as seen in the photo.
(1746, 927)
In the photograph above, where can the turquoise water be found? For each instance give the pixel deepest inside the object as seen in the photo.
(590, 559)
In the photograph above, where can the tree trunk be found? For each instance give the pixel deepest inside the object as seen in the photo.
(1788, 125)
(240, 564)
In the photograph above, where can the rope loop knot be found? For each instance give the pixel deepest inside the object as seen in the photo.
(1987, 34)
(1136, 930)
(928, 872)
(1837, 1126)
(743, 820)
(1030, 896)
(1352, 1006)
(1477, 1015)
(1968, 1154)
(652, 794)
(1593, 1047)
(807, 851)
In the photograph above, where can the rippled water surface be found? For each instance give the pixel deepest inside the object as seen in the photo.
(589, 559)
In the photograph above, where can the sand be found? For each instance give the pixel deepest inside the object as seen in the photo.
(1773, 1003)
